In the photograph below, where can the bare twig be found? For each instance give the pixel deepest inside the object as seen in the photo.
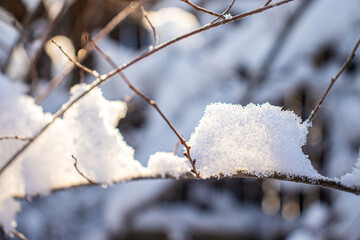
(18, 234)
(78, 64)
(280, 40)
(15, 137)
(35, 57)
(203, 9)
(342, 69)
(107, 76)
(267, 3)
(87, 49)
(9, 18)
(225, 12)
(153, 104)
(144, 13)
(82, 174)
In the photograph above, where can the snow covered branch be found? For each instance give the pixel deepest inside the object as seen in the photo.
(82, 143)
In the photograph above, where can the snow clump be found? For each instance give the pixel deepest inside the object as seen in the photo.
(261, 139)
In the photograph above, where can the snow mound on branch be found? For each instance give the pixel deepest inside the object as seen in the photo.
(86, 131)
(167, 163)
(352, 179)
(261, 139)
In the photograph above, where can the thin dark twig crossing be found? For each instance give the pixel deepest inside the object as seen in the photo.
(81, 173)
(342, 69)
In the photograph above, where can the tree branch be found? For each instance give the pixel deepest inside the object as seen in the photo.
(267, 3)
(330, 183)
(78, 64)
(342, 69)
(15, 137)
(87, 49)
(225, 12)
(144, 13)
(201, 9)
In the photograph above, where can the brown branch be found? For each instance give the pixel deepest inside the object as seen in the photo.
(78, 64)
(203, 9)
(82, 174)
(15, 137)
(144, 13)
(152, 103)
(225, 12)
(342, 69)
(280, 40)
(45, 37)
(87, 49)
(18, 234)
(267, 3)
(330, 183)
(105, 77)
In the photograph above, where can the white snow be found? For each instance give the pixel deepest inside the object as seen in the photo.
(86, 131)
(257, 138)
(167, 163)
(352, 179)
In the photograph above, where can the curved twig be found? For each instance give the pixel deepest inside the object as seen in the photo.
(225, 12)
(201, 9)
(144, 13)
(82, 174)
(332, 81)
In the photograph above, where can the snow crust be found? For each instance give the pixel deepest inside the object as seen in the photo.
(257, 138)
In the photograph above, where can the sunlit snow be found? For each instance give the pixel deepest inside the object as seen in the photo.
(257, 138)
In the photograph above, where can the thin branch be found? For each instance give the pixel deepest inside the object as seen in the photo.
(342, 69)
(153, 104)
(45, 37)
(144, 13)
(105, 77)
(280, 40)
(9, 18)
(267, 3)
(15, 137)
(331, 183)
(203, 9)
(225, 12)
(82, 174)
(87, 49)
(78, 64)
(18, 234)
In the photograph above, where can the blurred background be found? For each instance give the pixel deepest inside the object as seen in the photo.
(285, 56)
